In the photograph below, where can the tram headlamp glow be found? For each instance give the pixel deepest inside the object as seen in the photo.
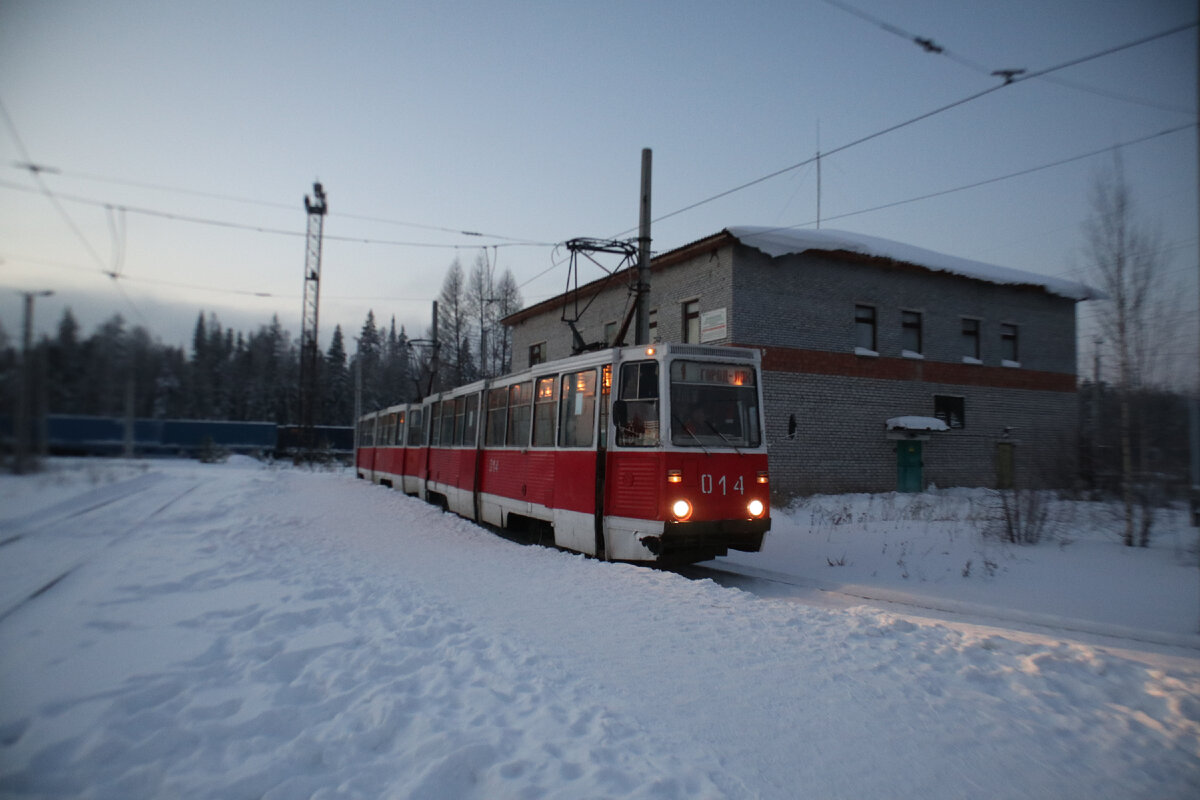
(682, 509)
(756, 508)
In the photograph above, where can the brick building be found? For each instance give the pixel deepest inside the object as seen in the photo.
(885, 366)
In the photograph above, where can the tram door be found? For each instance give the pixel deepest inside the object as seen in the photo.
(575, 499)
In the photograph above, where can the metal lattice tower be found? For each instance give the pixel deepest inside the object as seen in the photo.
(309, 347)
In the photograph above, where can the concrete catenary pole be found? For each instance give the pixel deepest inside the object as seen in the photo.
(642, 334)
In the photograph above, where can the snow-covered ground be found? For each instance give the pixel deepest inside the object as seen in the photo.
(171, 629)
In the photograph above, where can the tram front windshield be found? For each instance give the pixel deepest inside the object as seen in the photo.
(714, 405)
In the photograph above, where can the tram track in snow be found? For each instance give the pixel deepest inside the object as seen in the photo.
(1012, 623)
(19, 590)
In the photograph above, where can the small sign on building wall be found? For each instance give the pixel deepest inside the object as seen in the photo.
(712, 325)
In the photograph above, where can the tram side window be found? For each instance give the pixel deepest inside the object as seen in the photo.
(435, 427)
(400, 428)
(496, 416)
(415, 428)
(636, 411)
(447, 423)
(519, 399)
(364, 433)
(577, 411)
(469, 421)
(543, 412)
(460, 415)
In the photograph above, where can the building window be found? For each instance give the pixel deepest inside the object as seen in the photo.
(1008, 343)
(537, 353)
(864, 327)
(970, 338)
(653, 325)
(910, 331)
(950, 409)
(610, 333)
(691, 321)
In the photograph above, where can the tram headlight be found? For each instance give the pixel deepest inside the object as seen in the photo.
(681, 509)
(756, 508)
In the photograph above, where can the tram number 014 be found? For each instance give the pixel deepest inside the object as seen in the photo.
(708, 485)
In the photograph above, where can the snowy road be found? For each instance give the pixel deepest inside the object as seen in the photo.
(238, 631)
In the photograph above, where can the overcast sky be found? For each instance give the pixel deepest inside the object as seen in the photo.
(526, 121)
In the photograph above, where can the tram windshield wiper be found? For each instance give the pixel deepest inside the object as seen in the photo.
(724, 438)
(683, 427)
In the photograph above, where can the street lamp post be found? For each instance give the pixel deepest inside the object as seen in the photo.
(22, 423)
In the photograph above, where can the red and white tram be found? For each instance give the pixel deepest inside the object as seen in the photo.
(649, 453)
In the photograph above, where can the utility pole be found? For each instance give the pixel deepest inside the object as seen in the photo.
(23, 422)
(309, 344)
(1097, 400)
(642, 334)
(357, 389)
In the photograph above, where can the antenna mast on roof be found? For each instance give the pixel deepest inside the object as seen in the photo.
(818, 174)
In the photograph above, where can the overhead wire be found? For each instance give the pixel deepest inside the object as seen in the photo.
(999, 178)
(1009, 80)
(929, 46)
(275, 204)
(509, 242)
(36, 172)
(200, 287)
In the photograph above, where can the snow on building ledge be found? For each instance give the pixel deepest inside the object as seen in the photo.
(916, 424)
(776, 242)
(913, 427)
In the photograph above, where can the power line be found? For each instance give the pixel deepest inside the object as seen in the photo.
(36, 172)
(269, 203)
(510, 242)
(199, 287)
(1017, 174)
(1012, 79)
(929, 46)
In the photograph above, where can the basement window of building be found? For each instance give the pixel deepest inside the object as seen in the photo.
(537, 353)
(910, 333)
(970, 341)
(691, 321)
(864, 330)
(1009, 351)
(950, 409)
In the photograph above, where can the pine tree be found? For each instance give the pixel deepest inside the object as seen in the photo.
(337, 405)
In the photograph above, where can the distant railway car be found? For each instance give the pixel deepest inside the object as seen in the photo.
(632, 454)
(79, 434)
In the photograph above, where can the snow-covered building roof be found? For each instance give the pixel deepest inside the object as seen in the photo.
(777, 242)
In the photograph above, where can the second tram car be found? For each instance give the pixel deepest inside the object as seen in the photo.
(649, 453)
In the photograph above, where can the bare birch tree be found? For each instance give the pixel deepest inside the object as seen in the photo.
(1124, 260)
